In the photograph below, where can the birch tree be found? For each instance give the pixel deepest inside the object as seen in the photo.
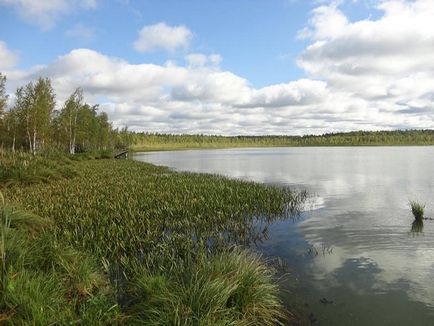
(3, 102)
(69, 116)
(36, 104)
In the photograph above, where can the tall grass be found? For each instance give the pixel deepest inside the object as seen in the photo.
(123, 209)
(25, 168)
(161, 237)
(231, 288)
(417, 209)
(45, 283)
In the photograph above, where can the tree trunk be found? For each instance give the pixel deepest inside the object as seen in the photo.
(34, 142)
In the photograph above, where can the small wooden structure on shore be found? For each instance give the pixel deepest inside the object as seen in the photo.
(122, 154)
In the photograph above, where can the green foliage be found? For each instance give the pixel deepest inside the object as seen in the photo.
(25, 168)
(161, 235)
(33, 124)
(417, 209)
(148, 142)
(45, 282)
(117, 209)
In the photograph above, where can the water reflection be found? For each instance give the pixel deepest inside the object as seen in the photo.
(381, 267)
(417, 227)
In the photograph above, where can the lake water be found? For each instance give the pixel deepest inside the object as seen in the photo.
(354, 256)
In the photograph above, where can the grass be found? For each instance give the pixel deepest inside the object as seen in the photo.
(44, 282)
(131, 242)
(417, 209)
(119, 209)
(24, 168)
(231, 288)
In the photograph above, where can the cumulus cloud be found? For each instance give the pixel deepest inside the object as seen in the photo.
(206, 99)
(367, 74)
(45, 13)
(7, 58)
(162, 37)
(371, 57)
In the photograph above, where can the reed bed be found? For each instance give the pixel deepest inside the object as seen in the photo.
(122, 208)
(146, 223)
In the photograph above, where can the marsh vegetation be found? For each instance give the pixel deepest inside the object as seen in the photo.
(130, 242)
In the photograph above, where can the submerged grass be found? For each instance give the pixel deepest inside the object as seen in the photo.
(164, 239)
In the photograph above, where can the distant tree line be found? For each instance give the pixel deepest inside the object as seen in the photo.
(34, 124)
(155, 141)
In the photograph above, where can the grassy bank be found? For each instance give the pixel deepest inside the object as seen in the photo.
(154, 142)
(159, 247)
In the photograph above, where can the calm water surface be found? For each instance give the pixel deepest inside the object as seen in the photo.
(354, 257)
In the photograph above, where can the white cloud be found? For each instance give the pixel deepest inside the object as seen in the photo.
(200, 60)
(45, 13)
(369, 56)
(205, 99)
(367, 74)
(328, 22)
(7, 58)
(162, 37)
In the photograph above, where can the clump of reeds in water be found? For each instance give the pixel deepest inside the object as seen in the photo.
(417, 209)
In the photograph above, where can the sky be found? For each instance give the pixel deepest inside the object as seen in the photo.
(230, 67)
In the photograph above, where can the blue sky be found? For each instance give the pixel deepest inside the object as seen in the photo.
(256, 38)
(270, 66)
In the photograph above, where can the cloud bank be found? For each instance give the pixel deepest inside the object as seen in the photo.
(45, 13)
(366, 74)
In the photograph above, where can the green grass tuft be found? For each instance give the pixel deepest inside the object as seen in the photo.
(417, 209)
(231, 288)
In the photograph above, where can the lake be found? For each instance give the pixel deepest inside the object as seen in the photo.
(354, 256)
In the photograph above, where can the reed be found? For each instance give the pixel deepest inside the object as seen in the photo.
(159, 235)
(417, 209)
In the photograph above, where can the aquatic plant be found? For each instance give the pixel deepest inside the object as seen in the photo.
(120, 209)
(154, 230)
(417, 209)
